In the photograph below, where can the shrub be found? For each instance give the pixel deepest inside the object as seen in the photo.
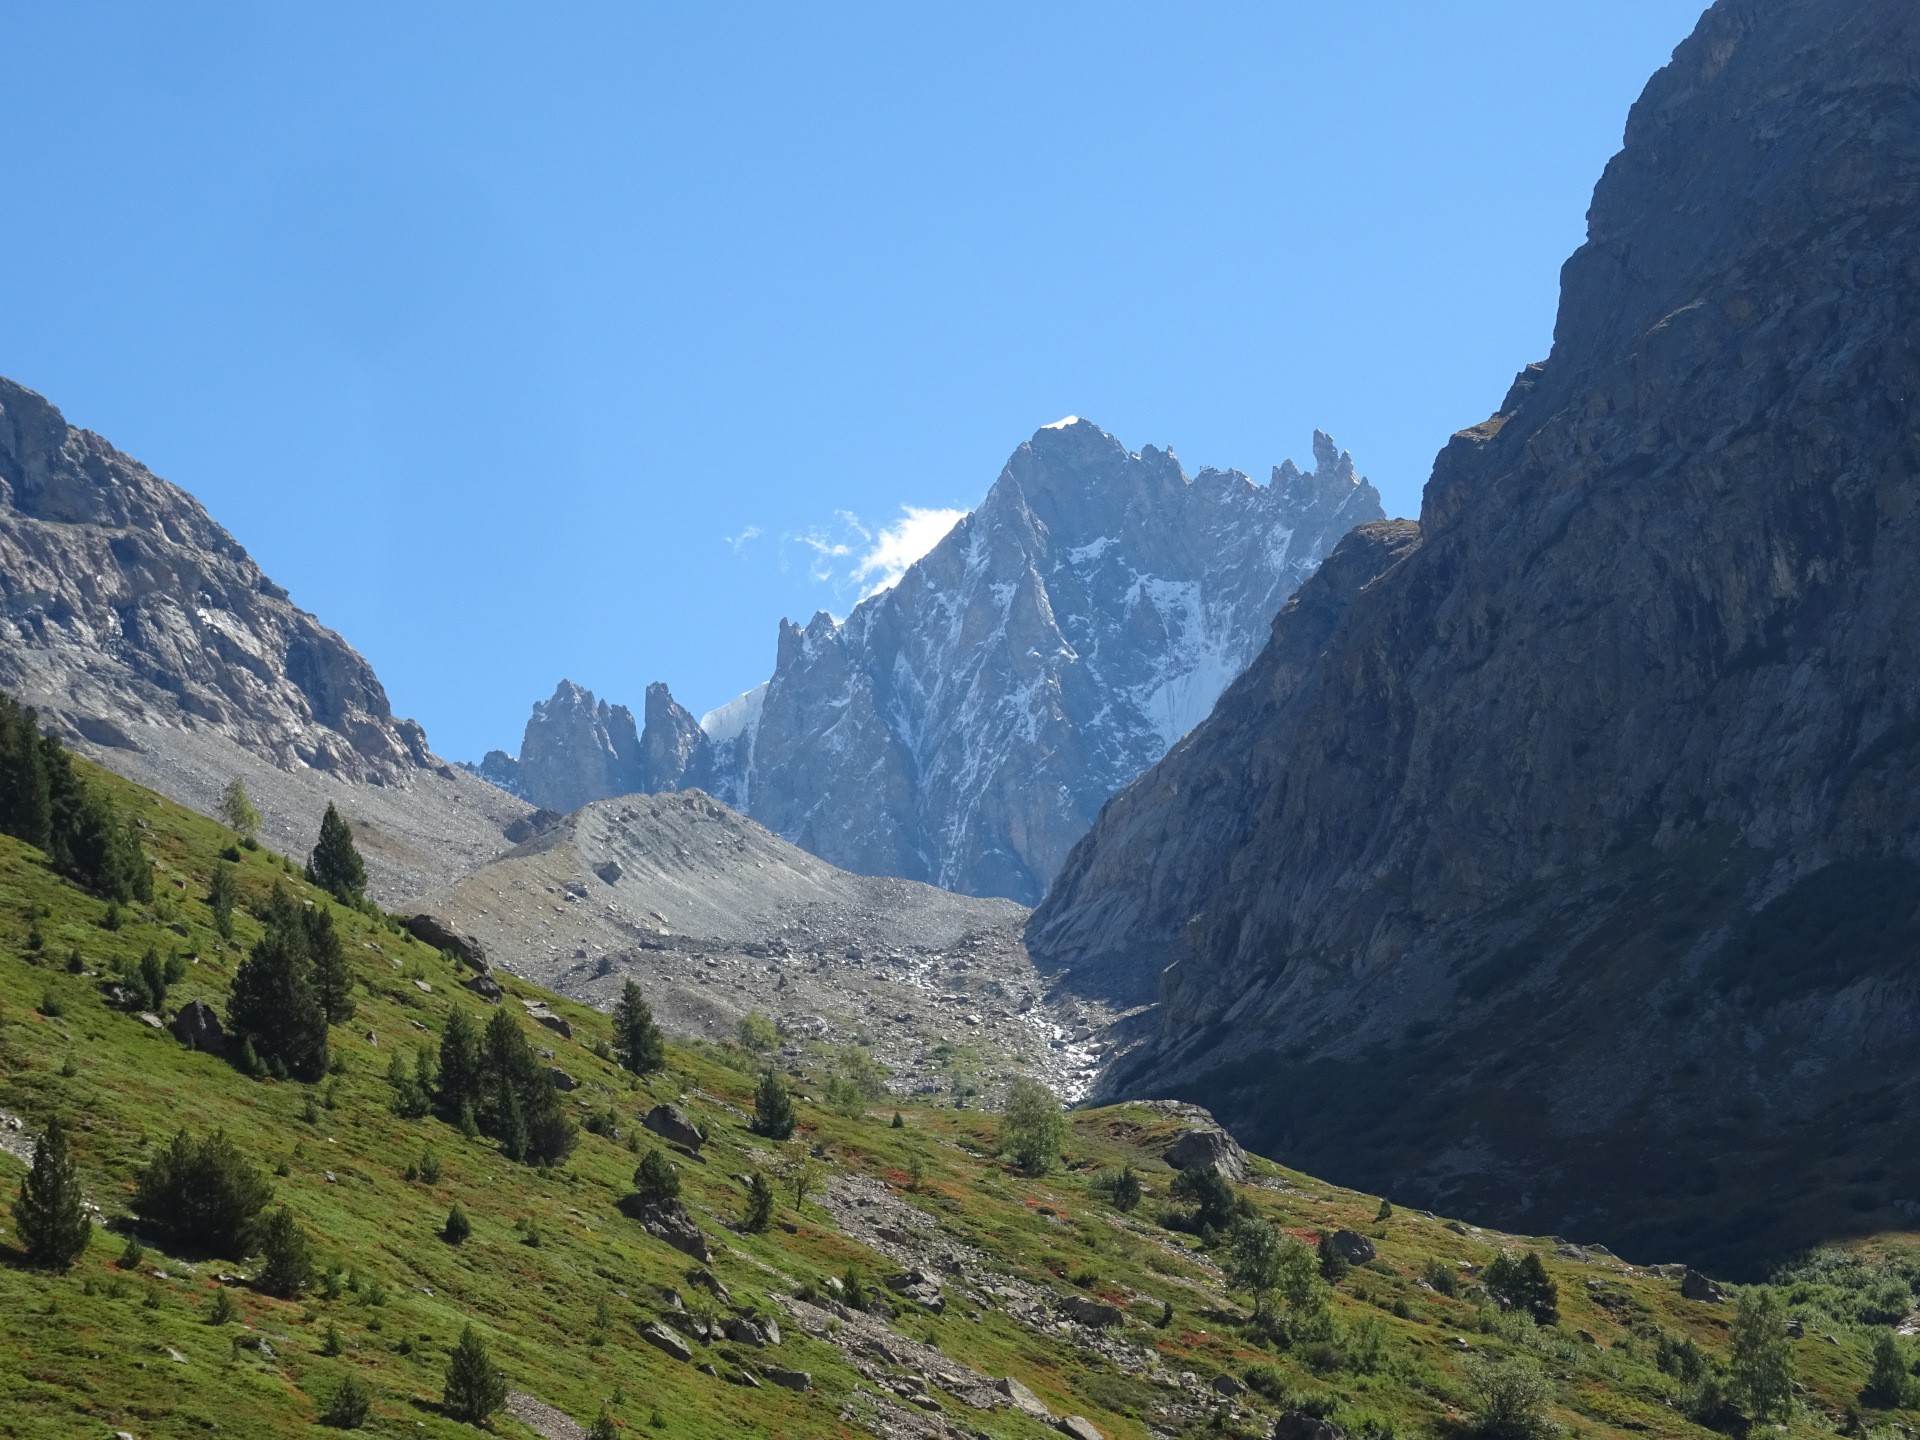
(1121, 1187)
(1512, 1399)
(349, 1405)
(204, 1195)
(1890, 1380)
(458, 1227)
(1210, 1195)
(1441, 1277)
(1254, 1262)
(286, 1257)
(51, 1220)
(1032, 1129)
(236, 810)
(772, 1108)
(330, 1343)
(222, 1311)
(657, 1181)
(757, 1033)
(853, 1289)
(1518, 1283)
(475, 1389)
(131, 1254)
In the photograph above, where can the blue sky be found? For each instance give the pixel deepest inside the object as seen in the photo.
(530, 341)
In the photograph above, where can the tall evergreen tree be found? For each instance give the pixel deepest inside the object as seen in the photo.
(518, 1105)
(221, 894)
(772, 1107)
(26, 796)
(335, 864)
(475, 1388)
(273, 1004)
(52, 1221)
(460, 1068)
(637, 1042)
(332, 980)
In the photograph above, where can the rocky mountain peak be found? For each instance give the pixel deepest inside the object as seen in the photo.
(964, 726)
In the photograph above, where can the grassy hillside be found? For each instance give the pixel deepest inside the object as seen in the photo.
(559, 1281)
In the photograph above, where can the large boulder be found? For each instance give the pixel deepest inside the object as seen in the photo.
(1023, 1399)
(664, 1339)
(670, 1223)
(486, 987)
(754, 1330)
(198, 1028)
(1299, 1425)
(1207, 1148)
(1079, 1427)
(671, 1123)
(1695, 1286)
(432, 930)
(1097, 1313)
(791, 1379)
(1357, 1248)
(556, 1023)
(919, 1287)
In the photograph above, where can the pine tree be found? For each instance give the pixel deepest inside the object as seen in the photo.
(603, 1428)
(236, 810)
(335, 865)
(51, 1220)
(349, 1405)
(286, 1257)
(637, 1041)
(458, 1227)
(475, 1388)
(204, 1195)
(332, 980)
(459, 1087)
(518, 1104)
(772, 1108)
(273, 1003)
(759, 1204)
(221, 893)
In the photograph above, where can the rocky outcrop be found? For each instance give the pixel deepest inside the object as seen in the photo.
(964, 727)
(144, 633)
(1510, 873)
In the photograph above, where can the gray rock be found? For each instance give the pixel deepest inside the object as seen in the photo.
(1357, 1248)
(561, 1079)
(672, 1123)
(1203, 1148)
(1023, 1399)
(485, 986)
(751, 1330)
(919, 1287)
(556, 1023)
(665, 1339)
(790, 1379)
(1695, 1286)
(432, 930)
(1227, 1385)
(670, 1223)
(1078, 1427)
(1097, 1313)
(1298, 1425)
(197, 1027)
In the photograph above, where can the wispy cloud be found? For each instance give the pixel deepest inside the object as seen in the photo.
(853, 557)
(898, 545)
(739, 542)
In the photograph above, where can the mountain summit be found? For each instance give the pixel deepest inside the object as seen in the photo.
(965, 726)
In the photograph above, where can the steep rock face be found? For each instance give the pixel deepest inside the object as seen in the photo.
(120, 598)
(143, 630)
(1521, 883)
(965, 726)
(578, 749)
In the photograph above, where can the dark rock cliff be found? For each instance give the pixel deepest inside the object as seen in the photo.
(1565, 869)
